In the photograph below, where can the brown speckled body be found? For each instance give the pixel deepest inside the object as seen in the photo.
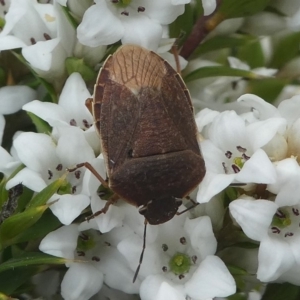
(144, 116)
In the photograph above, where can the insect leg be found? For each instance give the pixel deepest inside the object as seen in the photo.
(110, 201)
(93, 170)
(194, 204)
(142, 254)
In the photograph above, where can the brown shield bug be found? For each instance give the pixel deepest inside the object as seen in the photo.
(144, 116)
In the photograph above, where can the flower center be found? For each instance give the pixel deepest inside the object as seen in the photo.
(180, 263)
(121, 3)
(286, 221)
(85, 242)
(235, 163)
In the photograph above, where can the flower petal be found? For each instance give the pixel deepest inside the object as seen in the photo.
(12, 98)
(211, 279)
(257, 169)
(212, 184)
(274, 258)
(254, 216)
(52, 242)
(261, 132)
(83, 286)
(93, 33)
(29, 178)
(46, 111)
(111, 219)
(142, 31)
(68, 207)
(202, 237)
(209, 6)
(36, 151)
(166, 291)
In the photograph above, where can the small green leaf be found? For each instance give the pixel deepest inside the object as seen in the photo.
(285, 50)
(220, 42)
(42, 197)
(252, 54)
(216, 71)
(47, 223)
(17, 223)
(74, 64)
(32, 258)
(41, 125)
(235, 270)
(284, 291)
(11, 280)
(267, 88)
(238, 296)
(241, 8)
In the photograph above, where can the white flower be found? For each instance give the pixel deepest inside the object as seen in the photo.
(45, 35)
(63, 243)
(46, 160)
(178, 261)
(275, 225)
(232, 152)
(70, 110)
(135, 22)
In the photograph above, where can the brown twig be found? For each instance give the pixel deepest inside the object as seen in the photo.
(203, 26)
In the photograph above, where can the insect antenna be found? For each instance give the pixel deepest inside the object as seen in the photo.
(142, 254)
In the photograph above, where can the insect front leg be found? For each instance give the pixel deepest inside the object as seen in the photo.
(93, 170)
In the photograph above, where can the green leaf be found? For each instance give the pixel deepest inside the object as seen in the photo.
(235, 270)
(286, 49)
(267, 88)
(238, 296)
(32, 258)
(17, 271)
(42, 197)
(11, 280)
(252, 53)
(47, 223)
(17, 223)
(284, 291)
(220, 42)
(40, 125)
(216, 71)
(241, 8)
(74, 64)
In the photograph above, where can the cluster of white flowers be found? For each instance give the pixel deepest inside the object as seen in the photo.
(254, 145)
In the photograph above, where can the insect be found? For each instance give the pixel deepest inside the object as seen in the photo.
(144, 116)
